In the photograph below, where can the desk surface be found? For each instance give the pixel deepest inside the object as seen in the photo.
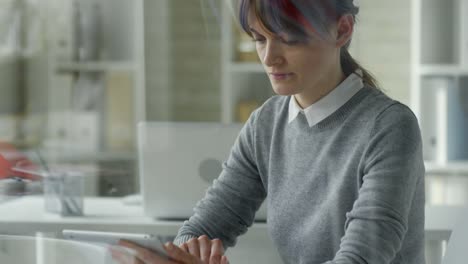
(27, 215)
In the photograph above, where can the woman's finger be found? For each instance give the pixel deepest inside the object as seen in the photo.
(120, 256)
(143, 254)
(194, 247)
(177, 253)
(184, 247)
(205, 248)
(217, 251)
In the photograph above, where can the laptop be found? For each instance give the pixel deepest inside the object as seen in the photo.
(178, 162)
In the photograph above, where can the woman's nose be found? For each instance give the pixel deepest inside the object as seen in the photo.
(272, 55)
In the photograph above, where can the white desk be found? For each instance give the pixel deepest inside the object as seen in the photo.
(27, 216)
(441, 220)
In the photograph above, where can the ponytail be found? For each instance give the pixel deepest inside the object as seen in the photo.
(350, 65)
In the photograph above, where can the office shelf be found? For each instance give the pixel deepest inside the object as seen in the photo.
(92, 157)
(442, 70)
(93, 106)
(454, 168)
(439, 91)
(99, 66)
(243, 79)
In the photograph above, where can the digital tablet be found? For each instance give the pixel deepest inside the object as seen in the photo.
(151, 242)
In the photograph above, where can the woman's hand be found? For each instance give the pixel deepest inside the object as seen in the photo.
(177, 255)
(209, 251)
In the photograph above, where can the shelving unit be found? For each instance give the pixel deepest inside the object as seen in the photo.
(244, 83)
(445, 70)
(105, 135)
(451, 168)
(122, 52)
(440, 80)
(98, 66)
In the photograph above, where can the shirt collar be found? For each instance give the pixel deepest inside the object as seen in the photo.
(330, 103)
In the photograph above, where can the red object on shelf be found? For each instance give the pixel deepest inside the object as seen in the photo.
(10, 157)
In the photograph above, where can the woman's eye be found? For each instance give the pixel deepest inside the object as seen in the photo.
(291, 41)
(258, 39)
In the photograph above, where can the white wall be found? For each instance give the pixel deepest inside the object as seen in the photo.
(157, 60)
(382, 44)
(182, 61)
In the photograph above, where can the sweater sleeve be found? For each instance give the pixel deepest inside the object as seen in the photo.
(392, 172)
(229, 205)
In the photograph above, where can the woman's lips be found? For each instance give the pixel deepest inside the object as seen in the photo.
(280, 76)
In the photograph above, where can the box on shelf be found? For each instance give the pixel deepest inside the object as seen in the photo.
(62, 37)
(73, 131)
(448, 190)
(119, 113)
(244, 47)
(444, 119)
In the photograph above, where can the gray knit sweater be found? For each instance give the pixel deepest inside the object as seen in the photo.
(347, 190)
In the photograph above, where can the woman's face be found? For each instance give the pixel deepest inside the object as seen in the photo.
(297, 67)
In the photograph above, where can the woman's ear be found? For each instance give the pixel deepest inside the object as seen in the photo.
(344, 29)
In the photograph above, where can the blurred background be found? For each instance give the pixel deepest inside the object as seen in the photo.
(76, 76)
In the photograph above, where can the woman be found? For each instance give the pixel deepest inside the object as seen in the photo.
(338, 163)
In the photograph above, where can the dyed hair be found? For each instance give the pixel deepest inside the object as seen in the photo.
(297, 18)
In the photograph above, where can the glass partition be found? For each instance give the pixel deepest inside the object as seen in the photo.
(37, 250)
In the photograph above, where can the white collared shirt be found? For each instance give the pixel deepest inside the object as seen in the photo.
(330, 103)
